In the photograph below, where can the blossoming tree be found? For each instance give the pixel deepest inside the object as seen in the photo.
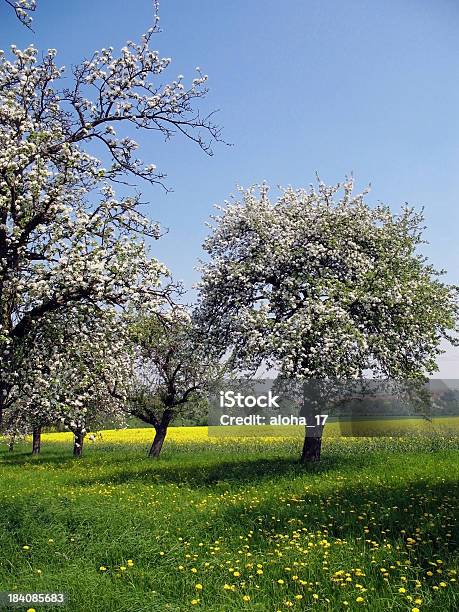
(76, 373)
(319, 285)
(66, 240)
(172, 372)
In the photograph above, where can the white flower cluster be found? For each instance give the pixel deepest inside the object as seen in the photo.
(23, 10)
(76, 373)
(69, 248)
(322, 286)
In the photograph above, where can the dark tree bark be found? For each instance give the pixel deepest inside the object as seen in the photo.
(36, 440)
(311, 448)
(78, 443)
(161, 432)
(313, 432)
(11, 445)
(160, 436)
(2, 404)
(5, 388)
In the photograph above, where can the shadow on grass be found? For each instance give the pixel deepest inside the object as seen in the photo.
(201, 474)
(205, 469)
(24, 458)
(391, 499)
(393, 512)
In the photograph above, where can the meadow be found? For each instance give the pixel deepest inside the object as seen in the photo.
(224, 524)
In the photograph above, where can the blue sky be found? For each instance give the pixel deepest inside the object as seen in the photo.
(302, 86)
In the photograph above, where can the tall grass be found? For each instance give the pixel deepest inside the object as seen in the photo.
(233, 524)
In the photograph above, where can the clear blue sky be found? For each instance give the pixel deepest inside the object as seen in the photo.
(303, 86)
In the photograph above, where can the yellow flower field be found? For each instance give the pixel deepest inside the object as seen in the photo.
(181, 435)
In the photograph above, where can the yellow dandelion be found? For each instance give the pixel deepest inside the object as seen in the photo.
(280, 581)
(402, 590)
(198, 587)
(359, 599)
(194, 602)
(246, 598)
(102, 568)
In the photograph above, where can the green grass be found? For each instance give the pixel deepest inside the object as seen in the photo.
(379, 513)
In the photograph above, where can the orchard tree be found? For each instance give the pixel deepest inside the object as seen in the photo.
(65, 238)
(319, 285)
(171, 373)
(76, 373)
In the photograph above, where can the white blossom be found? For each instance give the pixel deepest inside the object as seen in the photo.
(69, 247)
(321, 286)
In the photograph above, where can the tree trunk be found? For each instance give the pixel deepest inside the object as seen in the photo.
(4, 389)
(160, 435)
(158, 441)
(312, 399)
(311, 448)
(36, 440)
(2, 402)
(78, 443)
(11, 445)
